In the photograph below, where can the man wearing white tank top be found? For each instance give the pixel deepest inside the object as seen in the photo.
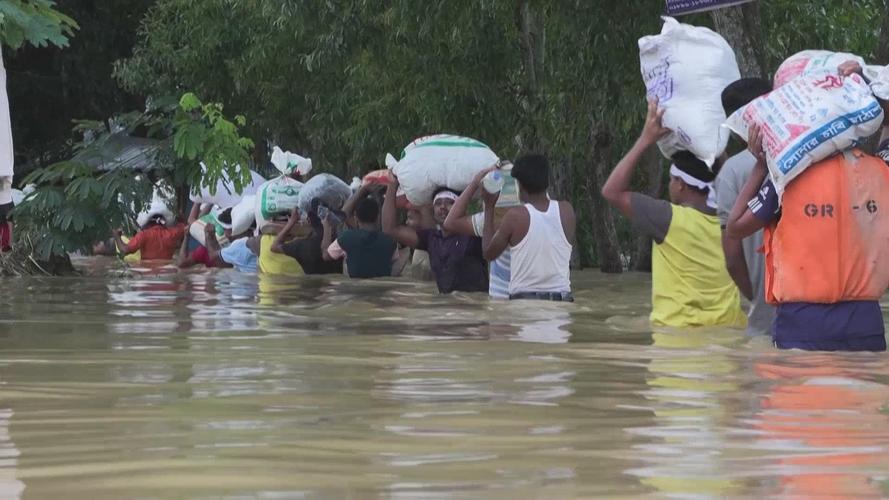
(540, 235)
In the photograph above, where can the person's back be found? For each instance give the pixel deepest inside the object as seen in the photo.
(734, 174)
(368, 252)
(158, 242)
(540, 262)
(690, 284)
(827, 255)
(744, 261)
(539, 235)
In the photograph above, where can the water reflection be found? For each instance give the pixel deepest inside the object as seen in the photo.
(219, 384)
(824, 418)
(10, 486)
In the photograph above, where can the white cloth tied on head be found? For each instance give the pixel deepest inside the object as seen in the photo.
(445, 195)
(697, 183)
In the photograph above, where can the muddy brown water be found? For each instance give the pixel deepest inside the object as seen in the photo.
(216, 384)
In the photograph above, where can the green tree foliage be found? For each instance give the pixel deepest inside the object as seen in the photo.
(35, 22)
(76, 205)
(50, 87)
(348, 81)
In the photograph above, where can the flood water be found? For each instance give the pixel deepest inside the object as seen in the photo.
(218, 384)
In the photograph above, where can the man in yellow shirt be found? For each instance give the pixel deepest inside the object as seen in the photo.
(690, 283)
(275, 263)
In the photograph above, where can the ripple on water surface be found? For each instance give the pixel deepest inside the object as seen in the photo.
(219, 384)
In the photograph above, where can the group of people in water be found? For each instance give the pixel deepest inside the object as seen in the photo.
(529, 247)
(812, 263)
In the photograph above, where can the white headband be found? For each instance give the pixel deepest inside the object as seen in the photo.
(694, 182)
(445, 195)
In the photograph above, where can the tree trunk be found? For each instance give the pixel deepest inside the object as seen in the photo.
(740, 26)
(883, 49)
(601, 214)
(654, 177)
(532, 39)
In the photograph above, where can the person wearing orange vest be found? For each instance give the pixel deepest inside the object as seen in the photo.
(827, 249)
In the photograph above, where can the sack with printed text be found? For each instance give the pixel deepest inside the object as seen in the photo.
(686, 68)
(809, 119)
(276, 199)
(437, 161)
(812, 61)
(196, 230)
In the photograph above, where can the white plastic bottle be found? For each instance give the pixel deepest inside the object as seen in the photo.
(493, 182)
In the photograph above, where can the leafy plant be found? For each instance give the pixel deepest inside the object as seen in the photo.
(80, 201)
(36, 22)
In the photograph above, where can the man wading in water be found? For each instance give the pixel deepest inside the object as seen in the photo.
(690, 285)
(456, 260)
(539, 235)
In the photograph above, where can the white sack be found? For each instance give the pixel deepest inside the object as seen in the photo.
(290, 163)
(161, 201)
(330, 189)
(812, 61)
(437, 161)
(226, 195)
(196, 230)
(277, 197)
(809, 119)
(243, 215)
(686, 68)
(6, 156)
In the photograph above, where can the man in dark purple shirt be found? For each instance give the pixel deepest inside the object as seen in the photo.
(456, 260)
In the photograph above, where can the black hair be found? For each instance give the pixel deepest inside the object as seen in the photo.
(225, 216)
(367, 210)
(694, 166)
(740, 92)
(532, 172)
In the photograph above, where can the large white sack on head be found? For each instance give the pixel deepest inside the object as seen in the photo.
(226, 195)
(812, 61)
(330, 189)
(809, 119)
(686, 68)
(277, 197)
(196, 230)
(437, 161)
(243, 215)
(5, 189)
(879, 81)
(7, 158)
(290, 163)
(161, 202)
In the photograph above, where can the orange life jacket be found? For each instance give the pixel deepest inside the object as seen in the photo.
(832, 241)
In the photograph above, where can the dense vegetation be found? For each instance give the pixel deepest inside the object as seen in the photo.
(345, 82)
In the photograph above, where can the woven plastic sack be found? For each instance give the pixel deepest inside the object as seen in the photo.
(437, 161)
(226, 195)
(290, 163)
(276, 198)
(687, 68)
(196, 230)
(809, 119)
